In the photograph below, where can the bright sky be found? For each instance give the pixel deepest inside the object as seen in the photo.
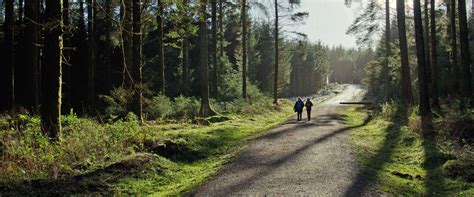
(328, 21)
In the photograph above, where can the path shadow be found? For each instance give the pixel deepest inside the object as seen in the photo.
(269, 168)
(434, 181)
(367, 176)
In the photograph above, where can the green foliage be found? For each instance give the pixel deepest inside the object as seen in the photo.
(124, 157)
(160, 107)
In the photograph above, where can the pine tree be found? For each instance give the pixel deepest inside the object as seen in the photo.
(161, 50)
(9, 29)
(215, 67)
(465, 55)
(434, 57)
(244, 48)
(91, 54)
(205, 110)
(425, 111)
(126, 14)
(32, 52)
(275, 74)
(137, 106)
(51, 71)
(407, 95)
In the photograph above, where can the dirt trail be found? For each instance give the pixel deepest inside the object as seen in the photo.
(310, 158)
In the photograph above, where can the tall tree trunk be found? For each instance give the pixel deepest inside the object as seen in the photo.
(215, 69)
(275, 75)
(426, 32)
(465, 55)
(221, 32)
(385, 70)
(9, 29)
(205, 110)
(185, 53)
(434, 58)
(91, 54)
(161, 52)
(425, 111)
(32, 52)
(407, 94)
(51, 71)
(244, 49)
(66, 68)
(137, 60)
(454, 47)
(126, 13)
(108, 37)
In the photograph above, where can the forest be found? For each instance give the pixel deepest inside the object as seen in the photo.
(142, 97)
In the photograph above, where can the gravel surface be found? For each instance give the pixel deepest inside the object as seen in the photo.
(298, 158)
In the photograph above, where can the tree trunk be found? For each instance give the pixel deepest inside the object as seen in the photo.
(221, 32)
(161, 52)
(137, 60)
(465, 55)
(425, 111)
(9, 29)
(126, 9)
(454, 47)
(205, 110)
(275, 75)
(51, 71)
(244, 49)
(66, 99)
(385, 70)
(32, 52)
(185, 53)
(407, 94)
(215, 69)
(108, 37)
(434, 58)
(91, 54)
(426, 37)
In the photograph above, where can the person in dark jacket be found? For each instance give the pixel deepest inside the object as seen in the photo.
(299, 105)
(308, 106)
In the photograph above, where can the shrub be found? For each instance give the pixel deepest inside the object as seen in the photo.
(160, 107)
(186, 107)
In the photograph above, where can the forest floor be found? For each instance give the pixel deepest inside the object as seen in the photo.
(124, 157)
(299, 158)
(403, 162)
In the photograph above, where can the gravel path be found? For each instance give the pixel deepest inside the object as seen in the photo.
(298, 158)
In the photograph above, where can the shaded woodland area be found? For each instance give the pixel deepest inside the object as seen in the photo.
(93, 57)
(424, 56)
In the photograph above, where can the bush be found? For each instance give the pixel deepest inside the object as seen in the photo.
(186, 107)
(118, 102)
(160, 107)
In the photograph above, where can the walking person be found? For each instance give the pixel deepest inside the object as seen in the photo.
(299, 105)
(308, 105)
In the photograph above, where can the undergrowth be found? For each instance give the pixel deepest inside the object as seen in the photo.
(404, 162)
(165, 156)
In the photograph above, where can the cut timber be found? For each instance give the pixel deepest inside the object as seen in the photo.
(355, 103)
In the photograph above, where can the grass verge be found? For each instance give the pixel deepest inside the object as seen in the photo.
(401, 161)
(123, 157)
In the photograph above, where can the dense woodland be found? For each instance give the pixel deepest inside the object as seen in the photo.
(154, 60)
(126, 53)
(424, 56)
